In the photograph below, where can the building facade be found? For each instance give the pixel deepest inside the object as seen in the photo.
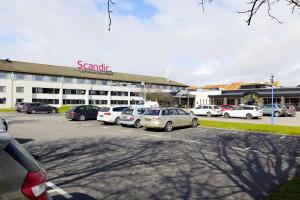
(258, 96)
(57, 85)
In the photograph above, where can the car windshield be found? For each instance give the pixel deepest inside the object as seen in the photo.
(127, 111)
(104, 109)
(152, 112)
(279, 106)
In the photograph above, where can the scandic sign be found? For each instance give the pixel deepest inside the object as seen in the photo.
(93, 68)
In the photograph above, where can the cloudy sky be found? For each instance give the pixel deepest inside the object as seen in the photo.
(170, 38)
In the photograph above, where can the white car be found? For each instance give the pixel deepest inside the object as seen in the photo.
(111, 114)
(248, 112)
(208, 110)
(132, 117)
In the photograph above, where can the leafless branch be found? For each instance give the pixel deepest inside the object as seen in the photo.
(109, 11)
(202, 2)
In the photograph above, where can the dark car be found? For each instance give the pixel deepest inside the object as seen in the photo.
(21, 176)
(82, 112)
(38, 108)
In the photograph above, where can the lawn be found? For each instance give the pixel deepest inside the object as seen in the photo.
(63, 109)
(262, 128)
(288, 191)
(7, 110)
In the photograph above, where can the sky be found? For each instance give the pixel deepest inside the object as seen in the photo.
(169, 38)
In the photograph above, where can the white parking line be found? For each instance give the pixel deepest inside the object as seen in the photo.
(152, 135)
(58, 190)
(283, 137)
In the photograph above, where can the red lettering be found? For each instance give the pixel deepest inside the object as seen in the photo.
(92, 67)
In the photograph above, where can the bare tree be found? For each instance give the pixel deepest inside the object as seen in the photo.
(254, 7)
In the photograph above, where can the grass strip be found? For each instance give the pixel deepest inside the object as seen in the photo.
(262, 128)
(7, 110)
(64, 109)
(288, 191)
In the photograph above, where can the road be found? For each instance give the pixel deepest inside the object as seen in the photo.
(91, 161)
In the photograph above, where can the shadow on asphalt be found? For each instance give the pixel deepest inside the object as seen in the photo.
(75, 196)
(23, 140)
(120, 168)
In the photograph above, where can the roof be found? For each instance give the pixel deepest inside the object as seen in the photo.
(236, 86)
(43, 69)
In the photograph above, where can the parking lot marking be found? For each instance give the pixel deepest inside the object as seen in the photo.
(189, 141)
(283, 137)
(240, 149)
(58, 190)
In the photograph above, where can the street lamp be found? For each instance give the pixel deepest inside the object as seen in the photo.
(143, 90)
(272, 82)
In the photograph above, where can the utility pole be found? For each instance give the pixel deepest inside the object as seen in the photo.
(272, 82)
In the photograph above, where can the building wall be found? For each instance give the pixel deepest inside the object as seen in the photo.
(201, 96)
(11, 82)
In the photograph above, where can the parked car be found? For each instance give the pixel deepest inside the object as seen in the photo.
(21, 176)
(208, 110)
(82, 112)
(248, 112)
(132, 117)
(38, 108)
(19, 106)
(168, 118)
(226, 107)
(279, 110)
(111, 114)
(291, 110)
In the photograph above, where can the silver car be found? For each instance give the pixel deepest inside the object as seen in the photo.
(21, 176)
(132, 117)
(168, 118)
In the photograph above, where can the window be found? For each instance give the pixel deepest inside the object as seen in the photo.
(74, 91)
(38, 77)
(45, 90)
(98, 102)
(4, 75)
(152, 112)
(119, 102)
(204, 107)
(20, 89)
(2, 88)
(19, 76)
(135, 94)
(182, 112)
(74, 101)
(19, 100)
(68, 80)
(98, 92)
(173, 112)
(141, 111)
(115, 93)
(119, 109)
(46, 101)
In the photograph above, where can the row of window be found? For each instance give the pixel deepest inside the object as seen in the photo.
(31, 77)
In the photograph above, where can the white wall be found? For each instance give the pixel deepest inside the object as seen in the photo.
(202, 96)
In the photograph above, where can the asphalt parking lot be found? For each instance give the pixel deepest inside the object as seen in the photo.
(88, 160)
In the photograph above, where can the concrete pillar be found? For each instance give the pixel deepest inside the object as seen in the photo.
(261, 102)
(236, 102)
(86, 97)
(282, 100)
(225, 101)
(129, 98)
(61, 95)
(108, 97)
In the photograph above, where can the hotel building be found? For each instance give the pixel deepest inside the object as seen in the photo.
(58, 85)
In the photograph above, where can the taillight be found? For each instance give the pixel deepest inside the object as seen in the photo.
(72, 113)
(34, 186)
(107, 113)
(131, 117)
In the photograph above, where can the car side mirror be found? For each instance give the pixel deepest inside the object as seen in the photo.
(6, 124)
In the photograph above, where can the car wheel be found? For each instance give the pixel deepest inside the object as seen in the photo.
(137, 124)
(249, 116)
(33, 111)
(117, 121)
(226, 115)
(82, 118)
(194, 123)
(208, 114)
(53, 111)
(276, 114)
(169, 127)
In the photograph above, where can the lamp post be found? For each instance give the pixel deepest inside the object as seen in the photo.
(143, 90)
(272, 82)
